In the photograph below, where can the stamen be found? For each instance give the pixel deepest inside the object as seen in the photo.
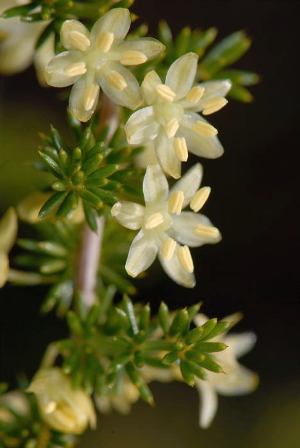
(133, 58)
(168, 248)
(51, 407)
(199, 198)
(90, 96)
(195, 94)
(116, 80)
(79, 40)
(214, 105)
(207, 231)
(175, 202)
(172, 127)
(154, 220)
(76, 69)
(165, 92)
(181, 149)
(185, 258)
(105, 41)
(205, 129)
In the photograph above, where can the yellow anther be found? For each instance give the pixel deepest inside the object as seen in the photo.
(199, 198)
(133, 58)
(51, 407)
(214, 105)
(76, 69)
(172, 127)
(79, 40)
(154, 221)
(105, 41)
(195, 94)
(116, 80)
(207, 231)
(205, 129)
(168, 248)
(175, 202)
(181, 149)
(165, 92)
(185, 258)
(90, 96)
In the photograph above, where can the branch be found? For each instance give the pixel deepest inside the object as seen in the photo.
(90, 250)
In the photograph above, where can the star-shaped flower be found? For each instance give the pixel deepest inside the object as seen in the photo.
(99, 59)
(165, 230)
(171, 120)
(8, 234)
(236, 379)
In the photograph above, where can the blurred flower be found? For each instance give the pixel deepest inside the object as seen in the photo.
(8, 234)
(120, 400)
(63, 408)
(14, 401)
(97, 58)
(171, 120)
(17, 40)
(166, 230)
(236, 379)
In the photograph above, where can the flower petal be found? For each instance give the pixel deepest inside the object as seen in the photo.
(208, 403)
(240, 344)
(155, 185)
(141, 127)
(176, 272)
(68, 28)
(184, 230)
(141, 254)
(182, 73)
(189, 183)
(146, 157)
(8, 230)
(209, 147)
(116, 21)
(149, 84)
(212, 90)
(129, 214)
(42, 57)
(166, 155)
(4, 268)
(56, 75)
(84, 99)
(240, 381)
(150, 47)
(128, 96)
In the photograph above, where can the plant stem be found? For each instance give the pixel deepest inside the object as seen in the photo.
(90, 250)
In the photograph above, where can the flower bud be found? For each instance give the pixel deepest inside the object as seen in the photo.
(63, 408)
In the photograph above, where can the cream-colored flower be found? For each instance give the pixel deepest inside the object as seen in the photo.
(119, 400)
(17, 40)
(8, 234)
(16, 401)
(100, 59)
(165, 230)
(236, 379)
(171, 119)
(63, 408)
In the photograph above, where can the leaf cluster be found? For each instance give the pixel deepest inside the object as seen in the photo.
(112, 343)
(93, 173)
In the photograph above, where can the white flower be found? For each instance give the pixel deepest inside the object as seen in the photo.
(236, 379)
(8, 234)
(120, 400)
(99, 59)
(17, 40)
(63, 408)
(171, 120)
(165, 230)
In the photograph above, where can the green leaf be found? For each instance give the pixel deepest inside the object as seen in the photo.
(210, 347)
(243, 77)
(240, 93)
(187, 374)
(90, 216)
(51, 164)
(165, 33)
(225, 53)
(163, 316)
(69, 204)
(180, 323)
(74, 323)
(52, 203)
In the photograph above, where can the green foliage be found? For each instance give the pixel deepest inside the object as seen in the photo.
(24, 428)
(215, 60)
(114, 342)
(93, 173)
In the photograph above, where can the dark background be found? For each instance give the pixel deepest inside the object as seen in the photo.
(255, 269)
